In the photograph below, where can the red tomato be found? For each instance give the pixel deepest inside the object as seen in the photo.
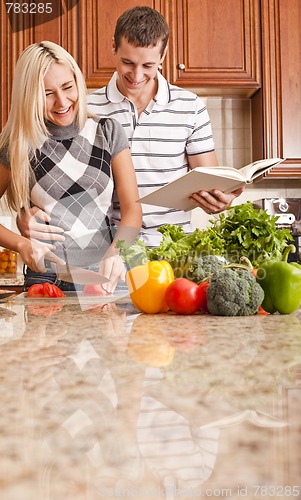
(94, 290)
(203, 287)
(36, 290)
(53, 291)
(184, 296)
(45, 290)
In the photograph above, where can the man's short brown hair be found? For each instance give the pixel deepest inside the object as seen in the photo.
(143, 27)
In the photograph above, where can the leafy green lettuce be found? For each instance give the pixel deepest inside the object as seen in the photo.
(242, 230)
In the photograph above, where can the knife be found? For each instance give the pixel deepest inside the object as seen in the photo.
(79, 275)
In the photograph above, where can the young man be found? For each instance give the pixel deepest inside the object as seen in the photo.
(168, 128)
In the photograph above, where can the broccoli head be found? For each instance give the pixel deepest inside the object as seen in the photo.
(204, 266)
(234, 293)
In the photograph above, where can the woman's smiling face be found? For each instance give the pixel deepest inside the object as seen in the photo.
(61, 95)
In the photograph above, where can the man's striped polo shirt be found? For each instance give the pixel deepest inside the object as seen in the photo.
(174, 124)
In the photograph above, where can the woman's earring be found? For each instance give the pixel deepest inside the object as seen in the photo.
(160, 66)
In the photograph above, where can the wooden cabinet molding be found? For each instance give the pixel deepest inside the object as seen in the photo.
(281, 91)
(216, 45)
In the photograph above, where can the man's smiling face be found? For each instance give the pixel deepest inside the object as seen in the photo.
(136, 67)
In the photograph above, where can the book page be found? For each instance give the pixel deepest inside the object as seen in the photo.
(176, 194)
(227, 179)
(222, 171)
(256, 169)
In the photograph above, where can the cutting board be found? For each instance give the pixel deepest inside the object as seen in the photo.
(71, 296)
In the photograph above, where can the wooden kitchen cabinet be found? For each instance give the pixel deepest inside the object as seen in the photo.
(217, 41)
(214, 56)
(277, 106)
(215, 46)
(20, 30)
(248, 48)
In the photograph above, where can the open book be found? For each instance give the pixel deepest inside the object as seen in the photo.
(227, 179)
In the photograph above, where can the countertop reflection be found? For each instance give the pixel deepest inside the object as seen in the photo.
(103, 402)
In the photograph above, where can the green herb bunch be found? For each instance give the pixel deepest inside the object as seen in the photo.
(251, 232)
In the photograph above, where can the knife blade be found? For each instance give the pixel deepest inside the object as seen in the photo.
(79, 275)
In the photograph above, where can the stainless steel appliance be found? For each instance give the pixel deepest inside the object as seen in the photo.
(289, 212)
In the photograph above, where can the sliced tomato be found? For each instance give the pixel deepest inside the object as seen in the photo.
(36, 290)
(49, 290)
(53, 291)
(94, 290)
(60, 292)
(45, 290)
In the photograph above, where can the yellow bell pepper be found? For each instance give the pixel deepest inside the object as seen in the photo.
(147, 284)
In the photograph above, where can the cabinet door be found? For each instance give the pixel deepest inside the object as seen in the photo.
(281, 92)
(98, 19)
(18, 30)
(216, 44)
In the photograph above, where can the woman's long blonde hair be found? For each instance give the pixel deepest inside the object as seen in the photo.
(25, 130)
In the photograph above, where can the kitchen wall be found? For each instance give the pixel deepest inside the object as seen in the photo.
(231, 124)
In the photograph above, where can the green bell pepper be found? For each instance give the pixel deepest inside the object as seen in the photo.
(281, 282)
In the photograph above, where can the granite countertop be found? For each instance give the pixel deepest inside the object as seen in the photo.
(103, 402)
(11, 279)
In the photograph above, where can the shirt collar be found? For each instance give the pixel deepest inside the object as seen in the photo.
(112, 92)
(60, 133)
(162, 97)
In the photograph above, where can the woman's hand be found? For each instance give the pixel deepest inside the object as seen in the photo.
(216, 201)
(33, 254)
(112, 267)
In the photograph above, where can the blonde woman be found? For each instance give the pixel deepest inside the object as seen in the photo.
(67, 162)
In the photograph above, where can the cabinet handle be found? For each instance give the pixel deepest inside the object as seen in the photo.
(181, 66)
